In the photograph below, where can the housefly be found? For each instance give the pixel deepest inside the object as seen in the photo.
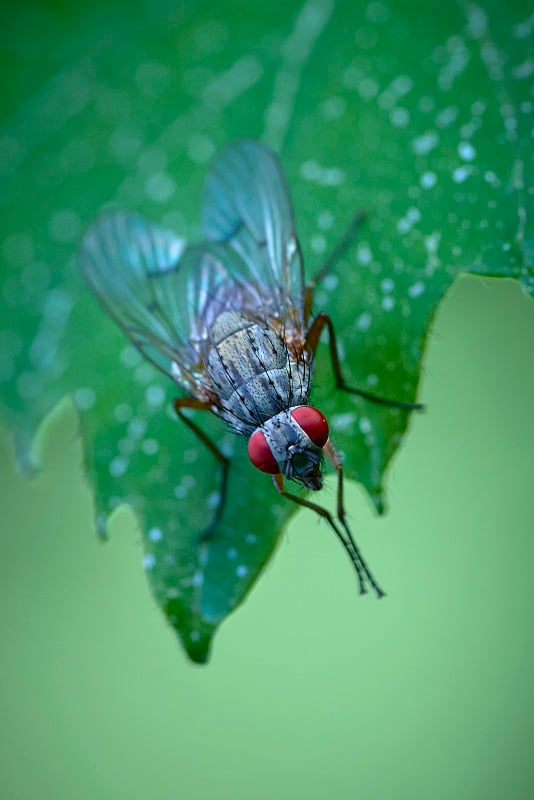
(230, 321)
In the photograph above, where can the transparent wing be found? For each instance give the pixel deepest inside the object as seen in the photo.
(247, 206)
(160, 292)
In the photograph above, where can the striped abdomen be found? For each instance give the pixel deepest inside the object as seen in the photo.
(251, 371)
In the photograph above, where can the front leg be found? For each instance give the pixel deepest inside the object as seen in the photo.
(333, 456)
(321, 321)
(347, 540)
(332, 258)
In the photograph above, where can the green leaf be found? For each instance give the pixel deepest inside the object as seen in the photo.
(423, 115)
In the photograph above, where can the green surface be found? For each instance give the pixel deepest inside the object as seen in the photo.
(421, 114)
(312, 692)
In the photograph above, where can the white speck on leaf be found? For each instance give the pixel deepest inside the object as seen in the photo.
(416, 289)
(154, 395)
(425, 143)
(446, 116)
(160, 187)
(84, 398)
(364, 425)
(130, 357)
(118, 467)
(149, 561)
(367, 88)
(428, 180)
(325, 220)
(330, 282)
(144, 373)
(466, 151)
(412, 216)
(364, 255)
(214, 499)
(123, 412)
(150, 447)
(399, 117)
(363, 323)
(318, 243)
(461, 174)
(343, 422)
(155, 534)
(137, 428)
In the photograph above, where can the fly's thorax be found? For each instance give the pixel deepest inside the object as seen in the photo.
(291, 444)
(252, 372)
(226, 324)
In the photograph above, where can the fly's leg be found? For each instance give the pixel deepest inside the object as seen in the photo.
(321, 321)
(332, 259)
(192, 402)
(333, 456)
(316, 328)
(346, 539)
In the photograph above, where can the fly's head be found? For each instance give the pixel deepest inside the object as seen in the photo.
(291, 444)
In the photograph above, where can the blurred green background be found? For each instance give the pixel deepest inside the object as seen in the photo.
(312, 692)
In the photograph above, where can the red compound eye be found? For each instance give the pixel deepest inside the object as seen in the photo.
(260, 454)
(313, 423)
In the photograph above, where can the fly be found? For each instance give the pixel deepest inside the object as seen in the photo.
(230, 321)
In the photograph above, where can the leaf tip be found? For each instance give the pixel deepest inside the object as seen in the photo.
(379, 500)
(194, 634)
